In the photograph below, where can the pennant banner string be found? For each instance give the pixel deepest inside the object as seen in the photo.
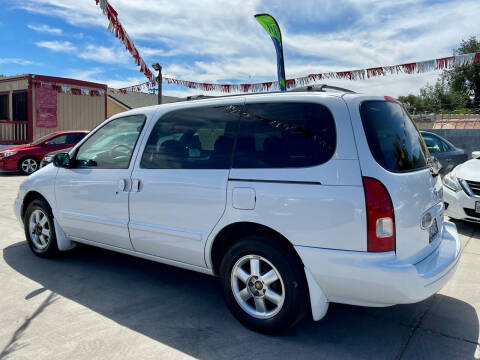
(117, 28)
(311, 79)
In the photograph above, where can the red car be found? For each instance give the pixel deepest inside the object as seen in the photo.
(26, 158)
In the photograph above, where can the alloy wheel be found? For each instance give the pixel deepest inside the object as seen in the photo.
(29, 166)
(257, 286)
(39, 229)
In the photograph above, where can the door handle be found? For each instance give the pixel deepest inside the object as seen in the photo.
(136, 185)
(122, 184)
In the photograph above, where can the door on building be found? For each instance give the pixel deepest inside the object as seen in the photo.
(19, 106)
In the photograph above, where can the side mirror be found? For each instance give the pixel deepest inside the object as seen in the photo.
(61, 160)
(435, 166)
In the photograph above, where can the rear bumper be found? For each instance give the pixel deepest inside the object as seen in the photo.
(380, 279)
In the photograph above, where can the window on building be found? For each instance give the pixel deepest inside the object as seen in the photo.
(4, 115)
(19, 106)
(196, 138)
(285, 135)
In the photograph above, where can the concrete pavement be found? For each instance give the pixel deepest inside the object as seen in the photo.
(95, 304)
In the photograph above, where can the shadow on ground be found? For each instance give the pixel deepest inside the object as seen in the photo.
(466, 228)
(11, 174)
(185, 310)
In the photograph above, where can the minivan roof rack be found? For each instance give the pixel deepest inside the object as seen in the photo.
(322, 87)
(319, 87)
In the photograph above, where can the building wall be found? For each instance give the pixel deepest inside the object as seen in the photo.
(114, 107)
(74, 112)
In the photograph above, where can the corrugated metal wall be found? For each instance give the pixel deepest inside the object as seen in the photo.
(74, 112)
(114, 108)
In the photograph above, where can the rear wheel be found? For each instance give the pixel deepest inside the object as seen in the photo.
(40, 229)
(28, 165)
(263, 285)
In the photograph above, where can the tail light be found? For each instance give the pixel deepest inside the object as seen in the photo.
(380, 217)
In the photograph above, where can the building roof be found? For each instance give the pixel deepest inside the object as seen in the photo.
(133, 100)
(55, 79)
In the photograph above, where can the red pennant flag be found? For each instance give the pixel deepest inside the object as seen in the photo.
(375, 72)
(245, 87)
(408, 68)
(445, 62)
(267, 85)
(290, 83)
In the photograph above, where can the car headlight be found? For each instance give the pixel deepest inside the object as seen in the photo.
(451, 182)
(9, 153)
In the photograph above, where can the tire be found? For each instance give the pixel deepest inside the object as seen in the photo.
(40, 230)
(284, 300)
(28, 165)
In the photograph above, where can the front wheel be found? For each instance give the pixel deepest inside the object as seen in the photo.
(263, 285)
(40, 229)
(28, 165)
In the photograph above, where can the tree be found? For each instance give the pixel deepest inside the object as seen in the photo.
(440, 97)
(465, 80)
(413, 103)
(457, 89)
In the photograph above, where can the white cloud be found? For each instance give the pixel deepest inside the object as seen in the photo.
(58, 46)
(104, 54)
(98, 75)
(215, 40)
(17, 61)
(45, 29)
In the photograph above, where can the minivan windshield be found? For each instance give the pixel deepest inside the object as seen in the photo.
(395, 142)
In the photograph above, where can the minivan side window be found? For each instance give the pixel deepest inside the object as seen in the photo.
(285, 135)
(194, 138)
(394, 141)
(111, 146)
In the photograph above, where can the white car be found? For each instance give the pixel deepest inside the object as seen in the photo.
(294, 200)
(462, 191)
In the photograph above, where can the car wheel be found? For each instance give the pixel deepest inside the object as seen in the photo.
(40, 229)
(263, 287)
(28, 165)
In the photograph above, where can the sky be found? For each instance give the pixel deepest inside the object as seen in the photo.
(219, 41)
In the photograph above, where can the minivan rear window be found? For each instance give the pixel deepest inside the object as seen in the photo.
(395, 142)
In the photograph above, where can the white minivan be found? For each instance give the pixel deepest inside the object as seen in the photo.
(294, 200)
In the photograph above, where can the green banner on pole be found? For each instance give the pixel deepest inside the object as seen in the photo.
(269, 23)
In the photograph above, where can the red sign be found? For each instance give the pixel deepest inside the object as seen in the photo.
(46, 104)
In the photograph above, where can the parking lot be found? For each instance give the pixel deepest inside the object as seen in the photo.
(95, 304)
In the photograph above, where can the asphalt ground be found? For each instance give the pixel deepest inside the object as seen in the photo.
(96, 304)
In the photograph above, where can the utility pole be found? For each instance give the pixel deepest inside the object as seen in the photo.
(157, 67)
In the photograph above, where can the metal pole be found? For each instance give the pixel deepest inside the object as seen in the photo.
(159, 81)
